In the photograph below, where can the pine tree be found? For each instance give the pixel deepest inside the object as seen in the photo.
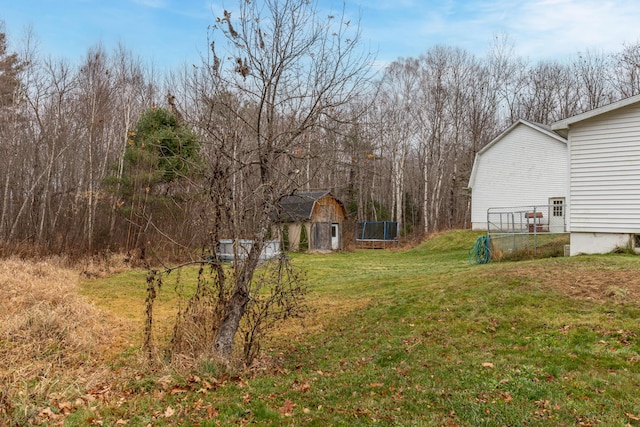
(10, 67)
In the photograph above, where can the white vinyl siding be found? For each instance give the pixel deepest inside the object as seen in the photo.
(605, 172)
(524, 167)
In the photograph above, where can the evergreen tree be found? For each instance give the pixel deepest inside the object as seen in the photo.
(164, 144)
(161, 159)
(10, 66)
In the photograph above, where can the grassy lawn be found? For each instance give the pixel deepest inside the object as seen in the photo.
(409, 337)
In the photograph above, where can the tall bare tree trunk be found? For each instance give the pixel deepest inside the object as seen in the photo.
(426, 223)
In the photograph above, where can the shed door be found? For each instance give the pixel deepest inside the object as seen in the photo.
(335, 236)
(321, 236)
(556, 215)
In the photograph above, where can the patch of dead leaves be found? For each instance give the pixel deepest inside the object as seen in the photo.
(287, 408)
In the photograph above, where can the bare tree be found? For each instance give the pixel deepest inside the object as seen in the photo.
(508, 72)
(97, 134)
(286, 72)
(398, 127)
(51, 132)
(626, 74)
(592, 70)
(130, 92)
(539, 101)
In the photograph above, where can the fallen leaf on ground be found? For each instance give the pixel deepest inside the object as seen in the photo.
(287, 408)
(47, 413)
(65, 407)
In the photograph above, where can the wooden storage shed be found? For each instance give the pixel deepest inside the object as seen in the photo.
(319, 212)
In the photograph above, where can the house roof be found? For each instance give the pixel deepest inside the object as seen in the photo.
(544, 129)
(563, 125)
(299, 206)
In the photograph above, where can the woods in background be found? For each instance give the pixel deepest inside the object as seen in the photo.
(75, 178)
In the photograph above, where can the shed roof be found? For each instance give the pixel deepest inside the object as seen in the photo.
(299, 206)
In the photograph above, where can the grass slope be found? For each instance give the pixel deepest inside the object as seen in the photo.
(410, 337)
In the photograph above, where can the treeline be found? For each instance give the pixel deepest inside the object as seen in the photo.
(438, 110)
(70, 178)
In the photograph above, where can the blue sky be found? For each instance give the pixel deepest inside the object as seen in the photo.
(172, 32)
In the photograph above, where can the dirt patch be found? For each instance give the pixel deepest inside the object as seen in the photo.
(598, 282)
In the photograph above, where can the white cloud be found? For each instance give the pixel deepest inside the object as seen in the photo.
(547, 29)
(564, 27)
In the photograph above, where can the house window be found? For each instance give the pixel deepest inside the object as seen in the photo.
(558, 208)
(636, 241)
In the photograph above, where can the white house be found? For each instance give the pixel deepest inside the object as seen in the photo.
(525, 165)
(604, 177)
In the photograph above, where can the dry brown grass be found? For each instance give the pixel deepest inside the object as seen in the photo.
(108, 263)
(50, 336)
(594, 281)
